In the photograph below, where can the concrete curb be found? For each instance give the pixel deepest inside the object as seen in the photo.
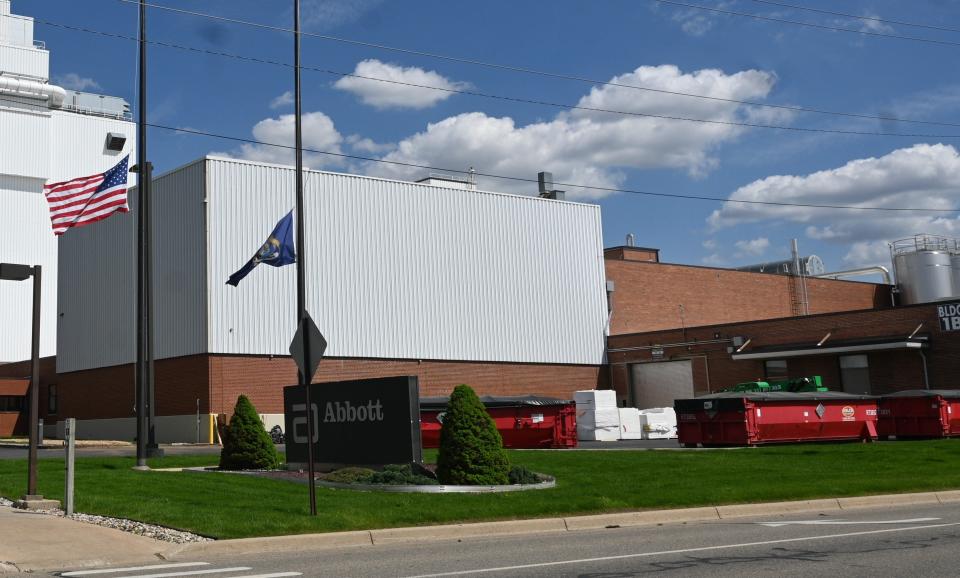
(550, 525)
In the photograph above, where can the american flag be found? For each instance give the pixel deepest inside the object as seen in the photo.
(86, 200)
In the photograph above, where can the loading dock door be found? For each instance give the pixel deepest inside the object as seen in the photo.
(658, 383)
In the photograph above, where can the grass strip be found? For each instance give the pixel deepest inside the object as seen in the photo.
(237, 506)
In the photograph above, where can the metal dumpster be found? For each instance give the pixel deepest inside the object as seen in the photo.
(523, 421)
(922, 413)
(744, 418)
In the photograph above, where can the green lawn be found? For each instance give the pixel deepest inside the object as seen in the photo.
(233, 506)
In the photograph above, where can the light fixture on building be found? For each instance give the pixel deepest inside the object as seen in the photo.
(116, 141)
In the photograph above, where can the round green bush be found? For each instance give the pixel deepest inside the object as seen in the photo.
(350, 475)
(521, 475)
(247, 445)
(471, 450)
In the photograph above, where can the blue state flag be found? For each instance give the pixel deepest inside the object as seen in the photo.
(277, 251)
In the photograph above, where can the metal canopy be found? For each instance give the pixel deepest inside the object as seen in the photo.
(806, 350)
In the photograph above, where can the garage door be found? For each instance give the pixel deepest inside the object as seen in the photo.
(657, 384)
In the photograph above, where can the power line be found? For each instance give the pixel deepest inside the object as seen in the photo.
(504, 97)
(807, 24)
(858, 17)
(196, 132)
(572, 185)
(526, 70)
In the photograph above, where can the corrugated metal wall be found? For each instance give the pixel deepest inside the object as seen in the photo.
(22, 240)
(180, 271)
(24, 61)
(35, 147)
(400, 270)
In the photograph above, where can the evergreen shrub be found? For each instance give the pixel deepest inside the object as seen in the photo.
(471, 450)
(247, 445)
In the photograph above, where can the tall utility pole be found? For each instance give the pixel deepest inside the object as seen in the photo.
(301, 256)
(146, 441)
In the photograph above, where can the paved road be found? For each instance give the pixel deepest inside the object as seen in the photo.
(918, 541)
(109, 452)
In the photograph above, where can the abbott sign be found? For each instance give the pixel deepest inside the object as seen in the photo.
(365, 422)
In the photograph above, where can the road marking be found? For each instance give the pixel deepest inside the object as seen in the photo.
(844, 522)
(683, 551)
(134, 569)
(274, 575)
(194, 572)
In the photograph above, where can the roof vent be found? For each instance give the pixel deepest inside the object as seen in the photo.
(545, 182)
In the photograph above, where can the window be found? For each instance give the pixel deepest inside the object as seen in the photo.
(775, 369)
(855, 374)
(12, 402)
(52, 400)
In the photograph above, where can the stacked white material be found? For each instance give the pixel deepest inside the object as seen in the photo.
(660, 423)
(631, 423)
(598, 418)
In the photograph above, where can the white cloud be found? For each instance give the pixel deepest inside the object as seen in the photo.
(285, 99)
(696, 22)
(874, 26)
(710, 244)
(367, 145)
(73, 81)
(327, 14)
(390, 95)
(920, 176)
(319, 133)
(753, 247)
(588, 146)
(714, 260)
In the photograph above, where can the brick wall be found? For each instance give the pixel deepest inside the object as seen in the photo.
(632, 254)
(889, 370)
(262, 379)
(648, 296)
(217, 380)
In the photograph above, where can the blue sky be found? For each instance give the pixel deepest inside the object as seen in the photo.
(633, 42)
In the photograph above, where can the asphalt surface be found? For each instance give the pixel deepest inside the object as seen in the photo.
(891, 541)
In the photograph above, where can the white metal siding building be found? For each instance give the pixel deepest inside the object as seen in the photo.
(41, 139)
(395, 270)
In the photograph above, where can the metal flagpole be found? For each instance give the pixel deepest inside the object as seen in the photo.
(143, 254)
(301, 260)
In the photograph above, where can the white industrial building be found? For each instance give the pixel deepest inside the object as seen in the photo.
(46, 133)
(501, 291)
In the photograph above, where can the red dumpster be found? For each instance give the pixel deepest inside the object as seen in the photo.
(523, 421)
(920, 413)
(743, 418)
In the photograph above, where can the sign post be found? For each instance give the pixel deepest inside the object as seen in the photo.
(307, 349)
(70, 434)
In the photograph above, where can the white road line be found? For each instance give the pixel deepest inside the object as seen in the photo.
(844, 522)
(683, 551)
(274, 575)
(191, 572)
(134, 569)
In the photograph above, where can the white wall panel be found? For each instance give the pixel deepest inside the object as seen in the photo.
(401, 270)
(24, 141)
(78, 144)
(26, 237)
(24, 61)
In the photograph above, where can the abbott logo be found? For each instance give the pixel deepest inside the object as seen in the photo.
(346, 412)
(300, 423)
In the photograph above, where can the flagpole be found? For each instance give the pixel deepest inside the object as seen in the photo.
(301, 259)
(146, 441)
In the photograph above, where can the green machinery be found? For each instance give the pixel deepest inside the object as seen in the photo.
(797, 384)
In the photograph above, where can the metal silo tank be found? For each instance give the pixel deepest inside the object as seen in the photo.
(924, 276)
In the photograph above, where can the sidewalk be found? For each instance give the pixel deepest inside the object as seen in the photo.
(31, 541)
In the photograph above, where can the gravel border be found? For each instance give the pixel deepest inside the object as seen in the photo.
(160, 533)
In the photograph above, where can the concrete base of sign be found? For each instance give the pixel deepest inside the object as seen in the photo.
(36, 503)
(549, 482)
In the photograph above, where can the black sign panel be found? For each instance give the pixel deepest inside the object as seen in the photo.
(364, 422)
(949, 315)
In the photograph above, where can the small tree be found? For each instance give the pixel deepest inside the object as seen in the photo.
(471, 449)
(247, 445)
